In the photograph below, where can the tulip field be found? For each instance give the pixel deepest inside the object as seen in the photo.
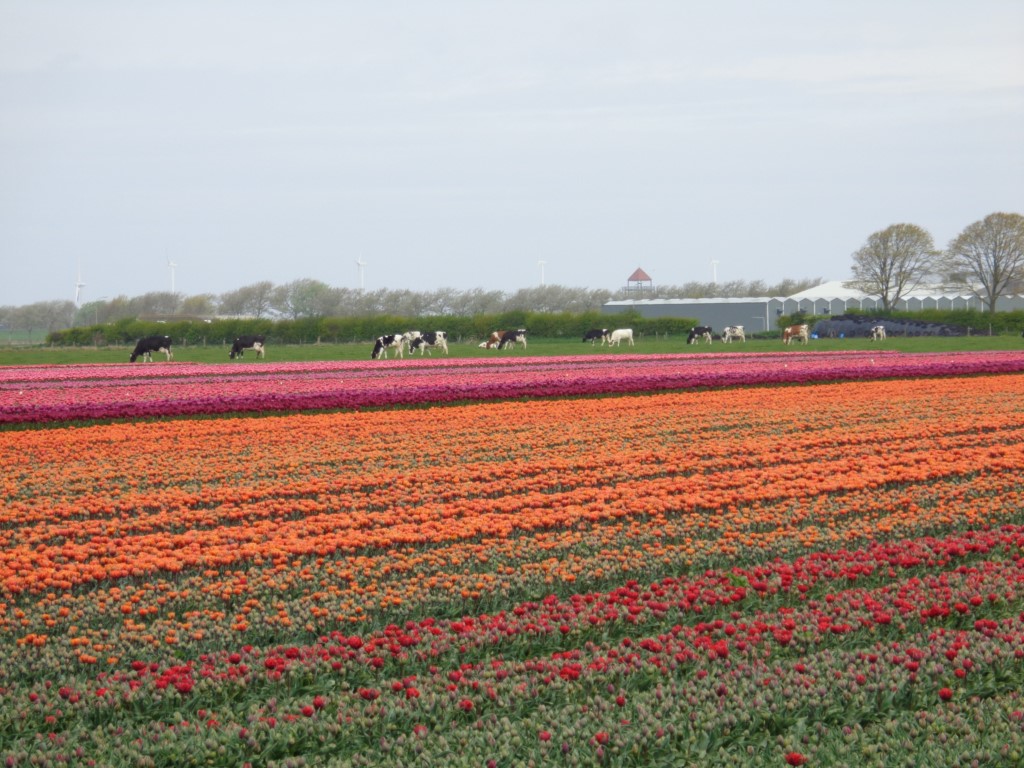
(770, 559)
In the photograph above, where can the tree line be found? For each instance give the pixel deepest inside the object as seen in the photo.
(311, 299)
(985, 260)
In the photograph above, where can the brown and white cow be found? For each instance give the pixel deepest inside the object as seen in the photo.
(492, 341)
(801, 332)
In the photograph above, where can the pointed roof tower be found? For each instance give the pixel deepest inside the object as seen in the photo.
(639, 276)
(638, 281)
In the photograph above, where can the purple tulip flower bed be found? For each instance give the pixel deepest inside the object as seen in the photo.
(39, 394)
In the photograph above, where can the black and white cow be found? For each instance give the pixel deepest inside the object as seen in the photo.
(511, 338)
(878, 333)
(255, 342)
(699, 332)
(733, 332)
(394, 341)
(596, 333)
(147, 345)
(425, 341)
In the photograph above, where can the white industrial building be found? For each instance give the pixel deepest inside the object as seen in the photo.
(758, 314)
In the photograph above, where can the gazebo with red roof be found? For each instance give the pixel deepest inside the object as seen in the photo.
(635, 283)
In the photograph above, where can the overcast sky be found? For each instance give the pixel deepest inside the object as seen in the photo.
(458, 144)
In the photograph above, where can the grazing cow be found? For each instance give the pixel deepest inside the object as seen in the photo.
(147, 345)
(596, 333)
(493, 341)
(878, 333)
(242, 343)
(698, 333)
(620, 335)
(393, 341)
(511, 338)
(791, 332)
(733, 332)
(424, 341)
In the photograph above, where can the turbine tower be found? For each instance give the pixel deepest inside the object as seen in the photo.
(714, 271)
(78, 287)
(360, 264)
(541, 263)
(171, 266)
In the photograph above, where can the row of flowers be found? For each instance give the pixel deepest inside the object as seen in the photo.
(55, 393)
(656, 666)
(378, 496)
(826, 574)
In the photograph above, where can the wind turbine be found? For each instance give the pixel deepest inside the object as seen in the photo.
(541, 262)
(171, 266)
(714, 271)
(360, 264)
(78, 287)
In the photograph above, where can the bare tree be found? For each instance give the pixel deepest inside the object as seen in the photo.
(303, 298)
(554, 298)
(788, 287)
(732, 289)
(894, 262)
(478, 302)
(201, 305)
(155, 303)
(988, 257)
(92, 313)
(250, 300)
(43, 316)
(119, 308)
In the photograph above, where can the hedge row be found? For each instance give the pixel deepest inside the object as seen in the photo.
(336, 330)
(551, 325)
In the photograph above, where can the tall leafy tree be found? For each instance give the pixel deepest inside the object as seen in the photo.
(988, 257)
(894, 262)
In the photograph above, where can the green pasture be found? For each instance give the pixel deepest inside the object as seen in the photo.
(46, 355)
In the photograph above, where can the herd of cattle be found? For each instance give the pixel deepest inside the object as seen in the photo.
(424, 342)
(412, 340)
(147, 345)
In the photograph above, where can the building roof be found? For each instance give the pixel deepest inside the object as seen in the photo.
(721, 300)
(834, 289)
(639, 276)
(837, 289)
